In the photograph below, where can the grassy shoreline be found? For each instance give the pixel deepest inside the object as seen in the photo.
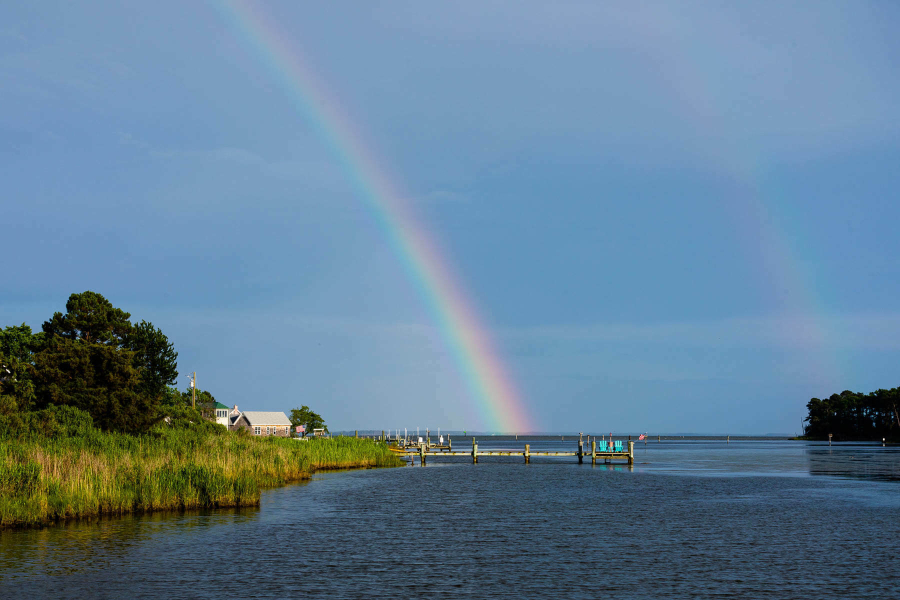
(47, 480)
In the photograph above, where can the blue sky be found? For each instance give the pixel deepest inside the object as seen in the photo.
(671, 217)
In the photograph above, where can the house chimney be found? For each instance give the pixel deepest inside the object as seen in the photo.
(234, 411)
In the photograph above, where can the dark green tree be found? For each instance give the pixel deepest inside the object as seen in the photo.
(19, 343)
(308, 419)
(17, 347)
(92, 318)
(154, 356)
(86, 363)
(851, 415)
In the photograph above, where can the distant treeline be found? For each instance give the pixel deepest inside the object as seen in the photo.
(852, 415)
(92, 358)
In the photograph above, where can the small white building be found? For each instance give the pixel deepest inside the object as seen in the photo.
(221, 412)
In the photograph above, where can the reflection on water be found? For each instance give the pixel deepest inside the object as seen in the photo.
(692, 519)
(82, 546)
(859, 461)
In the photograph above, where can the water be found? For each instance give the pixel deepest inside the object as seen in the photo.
(693, 518)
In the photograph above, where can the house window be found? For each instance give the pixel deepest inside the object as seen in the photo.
(257, 430)
(268, 431)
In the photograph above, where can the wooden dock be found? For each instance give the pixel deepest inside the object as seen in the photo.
(425, 451)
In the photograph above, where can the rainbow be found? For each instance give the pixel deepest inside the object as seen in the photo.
(774, 248)
(499, 405)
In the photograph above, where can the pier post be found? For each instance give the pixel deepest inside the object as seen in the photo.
(630, 452)
(474, 451)
(594, 452)
(527, 453)
(580, 452)
(422, 454)
(449, 443)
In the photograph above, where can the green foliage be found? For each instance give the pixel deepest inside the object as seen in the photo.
(91, 318)
(10, 416)
(96, 378)
(851, 415)
(308, 419)
(17, 347)
(53, 421)
(171, 397)
(17, 342)
(154, 356)
(205, 402)
(181, 416)
(59, 422)
(92, 359)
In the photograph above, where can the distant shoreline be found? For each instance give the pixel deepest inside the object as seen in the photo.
(835, 439)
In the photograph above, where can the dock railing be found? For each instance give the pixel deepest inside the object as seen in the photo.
(606, 453)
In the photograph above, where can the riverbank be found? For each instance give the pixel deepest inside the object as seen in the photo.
(94, 473)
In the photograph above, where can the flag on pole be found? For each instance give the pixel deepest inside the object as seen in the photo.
(641, 437)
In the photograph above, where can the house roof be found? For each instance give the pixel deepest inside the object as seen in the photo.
(255, 417)
(219, 405)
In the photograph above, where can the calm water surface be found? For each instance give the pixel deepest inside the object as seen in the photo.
(748, 519)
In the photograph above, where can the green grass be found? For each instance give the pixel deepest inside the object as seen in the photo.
(48, 479)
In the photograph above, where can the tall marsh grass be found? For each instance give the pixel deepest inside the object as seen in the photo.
(45, 479)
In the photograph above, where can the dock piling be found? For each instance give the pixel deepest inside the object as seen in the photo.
(630, 452)
(594, 452)
(527, 453)
(474, 451)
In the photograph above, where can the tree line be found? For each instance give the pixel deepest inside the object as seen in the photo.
(94, 359)
(853, 415)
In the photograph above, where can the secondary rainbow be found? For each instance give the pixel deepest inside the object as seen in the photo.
(497, 401)
(771, 245)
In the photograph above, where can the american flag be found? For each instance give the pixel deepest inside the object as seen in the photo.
(641, 437)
